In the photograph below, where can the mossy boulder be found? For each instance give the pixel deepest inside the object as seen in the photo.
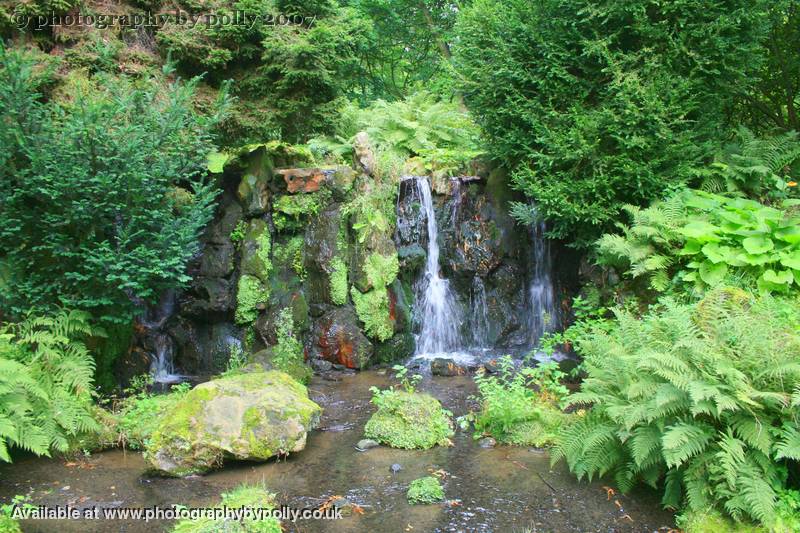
(251, 416)
(425, 490)
(410, 420)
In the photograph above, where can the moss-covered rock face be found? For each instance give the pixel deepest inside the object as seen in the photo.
(410, 420)
(249, 416)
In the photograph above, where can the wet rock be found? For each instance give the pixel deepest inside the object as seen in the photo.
(207, 296)
(302, 179)
(412, 256)
(337, 337)
(132, 363)
(217, 260)
(227, 216)
(365, 444)
(395, 468)
(340, 181)
(364, 154)
(321, 365)
(447, 367)
(247, 417)
(321, 246)
(254, 193)
(398, 348)
(202, 348)
(487, 442)
(267, 322)
(491, 366)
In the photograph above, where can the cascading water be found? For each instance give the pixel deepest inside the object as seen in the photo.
(437, 309)
(163, 347)
(479, 321)
(542, 301)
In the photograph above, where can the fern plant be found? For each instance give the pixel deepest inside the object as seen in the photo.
(699, 400)
(759, 167)
(46, 383)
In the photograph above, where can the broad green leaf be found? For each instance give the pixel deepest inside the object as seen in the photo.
(782, 277)
(716, 253)
(691, 247)
(775, 281)
(757, 245)
(754, 259)
(712, 274)
(700, 230)
(790, 234)
(791, 260)
(216, 161)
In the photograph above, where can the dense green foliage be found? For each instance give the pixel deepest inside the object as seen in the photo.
(700, 399)
(45, 383)
(701, 238)
(596, 106)
(424, 490)
(103, 199)
(520, 406)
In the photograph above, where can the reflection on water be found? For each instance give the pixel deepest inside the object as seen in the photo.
(500, 489)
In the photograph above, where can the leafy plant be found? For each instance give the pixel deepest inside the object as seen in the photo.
(248, 496)
(46, 383)
(702, 238)
(698, 399)
(425, 490)
(138, 414)
(759, 167)
(520, 406)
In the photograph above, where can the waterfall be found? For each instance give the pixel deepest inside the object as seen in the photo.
(163, 347)
(437, 309)
(543, 311)
(479, 321)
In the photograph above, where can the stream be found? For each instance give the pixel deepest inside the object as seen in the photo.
(501, 489)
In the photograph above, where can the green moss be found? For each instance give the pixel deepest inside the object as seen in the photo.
(243, 496)
(237, 235)
(338, 281)
(409, 420)
(288, 353)
(373, 310)
(249, 294)
(256, 251)
(381, 270)
(425, 490)
(9, 525)
(712, 521)
(289, 210)
(290, 255)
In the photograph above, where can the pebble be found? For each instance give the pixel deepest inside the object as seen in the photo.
(487, 442)
(395, 468)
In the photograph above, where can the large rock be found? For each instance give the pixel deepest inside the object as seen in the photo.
(321, 246)
(337, 338)
(247, 417)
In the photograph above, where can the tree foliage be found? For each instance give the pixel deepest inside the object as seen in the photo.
(104, 197)
(598, 105)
